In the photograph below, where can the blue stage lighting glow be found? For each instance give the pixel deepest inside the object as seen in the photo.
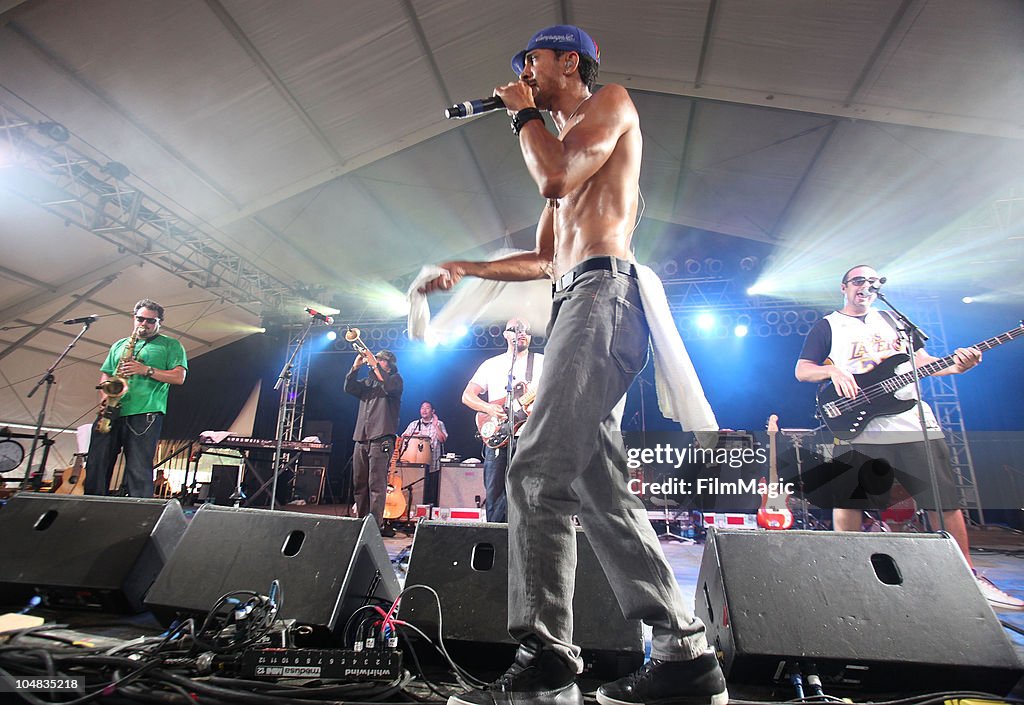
(740, 331)
(332, 335)
(705, 321)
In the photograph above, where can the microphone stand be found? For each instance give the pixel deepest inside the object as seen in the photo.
(910, 332)
(47, 379)
(280, 385)
(796, 437)
(667, 535)
(509, 400)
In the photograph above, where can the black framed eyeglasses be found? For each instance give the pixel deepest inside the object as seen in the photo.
(861, 281)
(146, 319)
(517, 331)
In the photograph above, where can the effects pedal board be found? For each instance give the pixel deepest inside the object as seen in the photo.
(331, 664)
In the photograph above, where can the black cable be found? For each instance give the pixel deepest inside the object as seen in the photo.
(1011, 626)
(411, 650)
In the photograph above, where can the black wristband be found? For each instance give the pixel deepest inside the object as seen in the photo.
(524, 116)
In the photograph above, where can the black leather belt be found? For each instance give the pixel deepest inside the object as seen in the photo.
(607, 263)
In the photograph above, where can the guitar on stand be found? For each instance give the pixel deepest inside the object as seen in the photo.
(72, 479)
(395, 504)
(774, 512)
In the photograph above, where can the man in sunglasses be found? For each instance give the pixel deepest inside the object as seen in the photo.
(486, 393)
(155, 363)
(852, 341)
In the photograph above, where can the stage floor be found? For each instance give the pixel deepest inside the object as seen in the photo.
(996, 552)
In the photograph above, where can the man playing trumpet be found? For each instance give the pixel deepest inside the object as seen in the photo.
(380, 396)
(149, 363)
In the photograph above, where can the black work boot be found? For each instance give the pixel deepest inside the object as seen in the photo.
(539, 676)
(696, 682)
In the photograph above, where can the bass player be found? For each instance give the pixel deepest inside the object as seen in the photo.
(852, 341)
(517, 368)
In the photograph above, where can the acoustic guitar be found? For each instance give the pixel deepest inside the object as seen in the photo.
(72, 479)
(395, 503)
(774, 512)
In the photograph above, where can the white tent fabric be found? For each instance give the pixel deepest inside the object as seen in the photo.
(307, 136)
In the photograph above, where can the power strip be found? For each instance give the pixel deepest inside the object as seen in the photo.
(332, 664)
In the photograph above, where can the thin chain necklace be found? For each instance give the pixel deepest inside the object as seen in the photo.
(578, 106)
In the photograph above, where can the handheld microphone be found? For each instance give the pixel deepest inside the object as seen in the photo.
(875, 288)
(88, 320)
(474, 107)
(319, 316)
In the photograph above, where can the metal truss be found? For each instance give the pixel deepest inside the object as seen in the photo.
(942, 393)
(292, 408)
(62, 178)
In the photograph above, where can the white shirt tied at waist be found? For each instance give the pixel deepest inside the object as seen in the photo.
(680, 394)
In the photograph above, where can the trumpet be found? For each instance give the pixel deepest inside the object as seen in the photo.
(352, 336)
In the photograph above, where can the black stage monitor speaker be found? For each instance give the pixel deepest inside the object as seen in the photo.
(467, 564)
(309, 484)
(873, 611)
(328, 567)
(98, 553)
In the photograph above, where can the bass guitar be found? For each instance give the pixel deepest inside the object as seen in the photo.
(774, 512)
(494, 432)
(395, 503)
(846, 418)
(72, 479)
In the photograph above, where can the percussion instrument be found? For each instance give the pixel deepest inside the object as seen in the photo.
(416, 450)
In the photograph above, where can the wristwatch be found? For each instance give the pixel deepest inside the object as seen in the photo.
(150, 371)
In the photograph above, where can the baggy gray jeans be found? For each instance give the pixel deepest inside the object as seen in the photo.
(571, 460)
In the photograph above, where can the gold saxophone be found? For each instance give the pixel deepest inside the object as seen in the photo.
(115, 387)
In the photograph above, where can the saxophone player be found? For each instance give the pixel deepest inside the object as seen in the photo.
(146, 363)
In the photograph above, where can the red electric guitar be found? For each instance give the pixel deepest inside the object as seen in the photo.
(774, 512)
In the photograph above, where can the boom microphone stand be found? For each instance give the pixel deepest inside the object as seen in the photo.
(47, 379)
(910, 332)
